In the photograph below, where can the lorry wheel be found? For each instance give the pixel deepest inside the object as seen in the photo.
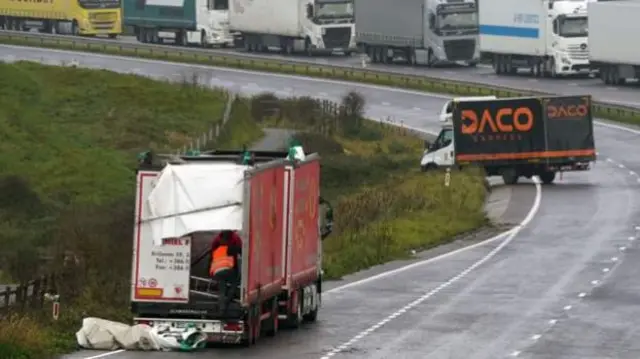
(429, 167)
(509, 176)
(497, 68)
(203, 39)
(547, 177)
(272, 327)
(312, 316)
(295, 319)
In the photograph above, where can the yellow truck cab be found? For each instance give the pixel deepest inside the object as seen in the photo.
(74, 17)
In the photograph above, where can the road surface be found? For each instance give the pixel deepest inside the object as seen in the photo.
(560, 287)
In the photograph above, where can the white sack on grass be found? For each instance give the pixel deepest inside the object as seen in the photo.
(103, 334)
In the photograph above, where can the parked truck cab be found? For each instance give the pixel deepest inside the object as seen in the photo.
(203, 23)
(548, 37)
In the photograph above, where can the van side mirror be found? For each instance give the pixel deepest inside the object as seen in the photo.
(309, 11)
(427, 144)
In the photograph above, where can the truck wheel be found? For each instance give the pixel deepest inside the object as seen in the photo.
(497, 67)
(509, 176)
(295, 319)
(75, 29)
(312, 316)
(547, 177)
(307, 47)
(429, 167)
(251, 327)
(203, 39)
(271, 328)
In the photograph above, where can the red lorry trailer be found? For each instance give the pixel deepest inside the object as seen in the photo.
(281, 256)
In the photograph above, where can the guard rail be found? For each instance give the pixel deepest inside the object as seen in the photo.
(616, 112)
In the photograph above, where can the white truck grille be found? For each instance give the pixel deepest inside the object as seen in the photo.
(578, 52)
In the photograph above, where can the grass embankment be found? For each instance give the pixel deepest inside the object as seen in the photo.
(384, 206)
(69, 139)
(70, 147)
(395, 80)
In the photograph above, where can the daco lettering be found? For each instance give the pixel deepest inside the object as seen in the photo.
(568, 111)
(506, 120)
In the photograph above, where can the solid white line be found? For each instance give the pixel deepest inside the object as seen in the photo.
(511, 235)
(105, 354)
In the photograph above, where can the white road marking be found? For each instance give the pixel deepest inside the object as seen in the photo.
(536, 337)
(595, 282)
(605, 270)
(511, 235)
(105, 354)
(582, 295)
(567, 307)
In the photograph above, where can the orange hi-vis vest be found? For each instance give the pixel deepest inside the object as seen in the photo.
(220, 260)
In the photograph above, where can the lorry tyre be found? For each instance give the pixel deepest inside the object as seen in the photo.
(307, 47)
(496, 65)
(203, 39)
(271, 328)
(295, 319)
(547, 177)
(75, 29)
(411, 57)
(251, 327)
(537, 69)
(429, 167)
(509, 176)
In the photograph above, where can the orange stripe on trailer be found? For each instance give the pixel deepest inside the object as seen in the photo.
(149, 292)
(525, 155)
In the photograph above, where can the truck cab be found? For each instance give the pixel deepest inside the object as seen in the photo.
(440, 153)
(451, 31)
(567, 36)
(329, 26)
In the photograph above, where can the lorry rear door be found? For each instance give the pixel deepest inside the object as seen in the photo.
(263, 260)
(569, 127)
(502, 131)
(160, 273)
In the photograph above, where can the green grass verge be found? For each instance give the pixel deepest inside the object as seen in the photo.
(395, 80)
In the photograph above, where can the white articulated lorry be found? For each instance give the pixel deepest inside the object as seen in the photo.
(310, 26)
(613, 27)
(546, 36)
(420, 32)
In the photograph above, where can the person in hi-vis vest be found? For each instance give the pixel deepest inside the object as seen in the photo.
(225, 252)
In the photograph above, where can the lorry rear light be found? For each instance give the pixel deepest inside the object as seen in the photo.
(145, 322)
(232, 327)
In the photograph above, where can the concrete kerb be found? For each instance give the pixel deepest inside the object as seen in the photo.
(614, 112)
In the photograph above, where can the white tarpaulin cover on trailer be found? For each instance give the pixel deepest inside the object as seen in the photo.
(101, 334)
(196, 197)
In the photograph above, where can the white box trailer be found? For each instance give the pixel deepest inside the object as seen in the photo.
(546, 36)
(309, 26)
(613, 28)
(420, 32)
